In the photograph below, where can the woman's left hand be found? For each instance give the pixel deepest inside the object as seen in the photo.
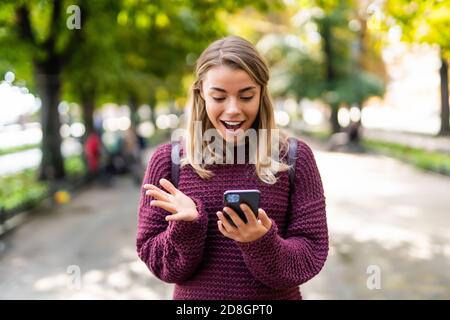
(254, 229)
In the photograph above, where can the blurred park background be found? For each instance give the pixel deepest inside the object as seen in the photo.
(88, 89)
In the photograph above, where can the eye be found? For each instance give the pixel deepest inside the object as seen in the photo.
(247, 98)
(218, 99)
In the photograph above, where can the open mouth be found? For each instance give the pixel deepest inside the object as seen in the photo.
(232, 125)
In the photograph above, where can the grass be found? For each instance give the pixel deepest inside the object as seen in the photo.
(22, 190)
(430, 161)
(320, 135)
(17, 149)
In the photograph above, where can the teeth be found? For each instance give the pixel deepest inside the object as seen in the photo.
(232, 123)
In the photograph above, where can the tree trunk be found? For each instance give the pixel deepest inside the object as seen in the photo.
(88, 105)
(133, 102)
(48, 86)
(335, 126)
(328, 51)
(443, 72)
(153, 111)
(326, 33)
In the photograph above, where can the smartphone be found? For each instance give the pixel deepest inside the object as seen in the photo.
(233, 199)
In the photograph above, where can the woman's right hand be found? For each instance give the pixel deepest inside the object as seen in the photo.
(181, 207)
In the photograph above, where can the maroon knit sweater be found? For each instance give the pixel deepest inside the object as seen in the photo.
(205, 264)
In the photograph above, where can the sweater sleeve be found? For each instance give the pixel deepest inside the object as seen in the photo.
(171, 250)
(290, 261)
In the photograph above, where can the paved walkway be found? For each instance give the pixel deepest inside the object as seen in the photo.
(382, 214)
(386, 216)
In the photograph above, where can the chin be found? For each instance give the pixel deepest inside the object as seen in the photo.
(235, 138)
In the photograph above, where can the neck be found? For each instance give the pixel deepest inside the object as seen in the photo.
(240, 152)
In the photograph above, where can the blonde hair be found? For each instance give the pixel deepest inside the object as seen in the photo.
(236, 53)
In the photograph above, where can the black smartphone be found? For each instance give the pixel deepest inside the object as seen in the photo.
(233, 199)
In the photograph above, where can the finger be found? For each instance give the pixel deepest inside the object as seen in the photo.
(265, 220)
(166, 184)
(158, 195)
(163, 205)
(251, 218)
(234, 217)
(175, 217)
(227, 225)
(151, 187)
(155, 188)
(223, 230)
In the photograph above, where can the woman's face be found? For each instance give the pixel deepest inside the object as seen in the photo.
(232, 100)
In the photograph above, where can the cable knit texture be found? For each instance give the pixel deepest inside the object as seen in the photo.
(204, 264)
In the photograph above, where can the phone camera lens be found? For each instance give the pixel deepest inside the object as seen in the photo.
(233, 198)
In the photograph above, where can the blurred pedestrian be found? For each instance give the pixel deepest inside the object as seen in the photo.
(131, 151)
(92, 151)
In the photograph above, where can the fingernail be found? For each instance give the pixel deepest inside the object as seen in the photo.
(152, 202)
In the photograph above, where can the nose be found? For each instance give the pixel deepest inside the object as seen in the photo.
(232, 107)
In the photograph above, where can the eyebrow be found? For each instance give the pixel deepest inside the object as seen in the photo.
(223, 90)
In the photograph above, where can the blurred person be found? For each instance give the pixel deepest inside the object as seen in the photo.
(354, 132)
(115, 163)
(131, 151)
(92, 151)
(183, 235)
(142, 142)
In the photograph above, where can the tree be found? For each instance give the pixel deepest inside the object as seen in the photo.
(96, 66)
(148, 42)
(170, 36)
(41, 31)
(335, 70)
(347, 82)
(426, 22)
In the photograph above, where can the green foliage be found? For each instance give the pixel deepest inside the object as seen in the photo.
(15, 55)
(296, 69)
(438, 162)
(332, 68)
(422, 21)
(123, 48)
(431, 161)
(21, 190)
(17, 149)
(75, 166)
(358, 87)
(158, 137)
(343, 54)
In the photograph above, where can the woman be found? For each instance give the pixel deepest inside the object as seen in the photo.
(183, 234)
